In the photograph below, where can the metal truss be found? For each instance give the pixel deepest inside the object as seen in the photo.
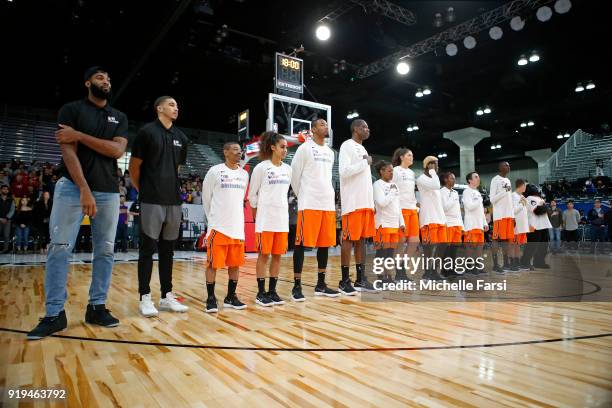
(456, 33)
(384, 7)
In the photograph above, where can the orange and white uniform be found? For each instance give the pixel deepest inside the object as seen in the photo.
(431, 215)
(521, 225)
(388, 216)
(474, 216)
(223, 192)
(356, 192)
(311, 179)
(268, 193)
(452, 211)
(500, 194)
(405, 180)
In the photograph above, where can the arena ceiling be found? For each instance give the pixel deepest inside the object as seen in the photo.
(171, 47)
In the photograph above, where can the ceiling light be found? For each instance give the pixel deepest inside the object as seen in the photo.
(498, 146)
(487, 110)
(438, 20)
(534, 57)
(559, 136)
(530, 123)
(522, 60)
(427, 91)
(579, 87)
(566, 135)
(409, 128)
(419, 93)
(415, 127)
(544, 14)
(523, 124)
(517, 23)
(402, 68)
(563, 6)
(496, 33)
(590, 85)
(469, 42)
(493, 147)
(480, 112)
(323, 32)
(451, 50)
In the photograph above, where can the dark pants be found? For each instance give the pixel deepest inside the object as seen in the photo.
(5, 230)
(536, 248)
(572, 238)
(598, 233)
(291, 238)
(122, 236)
(147, 248)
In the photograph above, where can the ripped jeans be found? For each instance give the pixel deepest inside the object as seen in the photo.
(66, 218)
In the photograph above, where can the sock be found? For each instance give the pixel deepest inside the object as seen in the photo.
(261, 285)
(321, 279)
(272, 284)
(359, 269)
(297, 282)
(210, 289)
(231, 287)
(345, 273)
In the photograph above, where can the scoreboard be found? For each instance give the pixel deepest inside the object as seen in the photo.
(289, 74)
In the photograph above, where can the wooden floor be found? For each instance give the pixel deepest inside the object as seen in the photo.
(340, 352)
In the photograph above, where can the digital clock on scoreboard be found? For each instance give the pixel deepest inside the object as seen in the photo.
(289, 74)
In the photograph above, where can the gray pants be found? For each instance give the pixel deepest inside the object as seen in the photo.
(155, 218)
(5, 231)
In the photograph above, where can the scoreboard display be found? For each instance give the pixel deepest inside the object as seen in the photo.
(289, 74)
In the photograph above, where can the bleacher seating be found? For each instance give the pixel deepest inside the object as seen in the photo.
(28, 140)
(576, 158)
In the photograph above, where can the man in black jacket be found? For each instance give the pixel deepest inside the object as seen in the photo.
(7, 210)
(596, 218)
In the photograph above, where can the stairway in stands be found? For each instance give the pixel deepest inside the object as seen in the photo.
(577, 156)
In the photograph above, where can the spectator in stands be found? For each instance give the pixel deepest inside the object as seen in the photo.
(122, 225)
(32, 194)
(51, 186)
(596, 218)
(601, 187)
(23, 222)
(4, 178)
(196, 197)
(132, 194)
(589, 188)
(548, 192)
(19, 186)
(571, 219)
(608, 220)
(135, 213)
(598, 169)
(41, 215)
(122, 189)
(556, 220)
(127, 179)
(34, 180)
(7, 210)
(185, 197)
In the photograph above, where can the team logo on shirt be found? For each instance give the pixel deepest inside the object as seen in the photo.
(227, 181)
(320, 156)
(277, 178)
(112, 119)
(177, 143)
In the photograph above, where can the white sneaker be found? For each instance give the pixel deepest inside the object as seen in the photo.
(171, 304)
(147, 309)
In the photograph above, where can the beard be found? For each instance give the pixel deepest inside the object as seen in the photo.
(99, 93)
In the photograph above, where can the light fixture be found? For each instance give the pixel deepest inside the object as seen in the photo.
(409, 128)
(523, 124)
(450, 14)
(590, 85)
(563, 6)
(517, 23)
(442, 155)
(402, 68)
(522, 60)
(342, 65)
(487, 110)
(534, 57)
(352, 115)
(498, 146)
(544, 14)
(415, 127)
(419, 93)
(469, 42)
(427, 91)
(412, 128)
(530, 123)
(451, 50)
(336, 69)
(493, 147)
(559, 136)
(323, 32)
(438, 20)
(566, 135)
(496, 33)
(579, 87)
(480, 112)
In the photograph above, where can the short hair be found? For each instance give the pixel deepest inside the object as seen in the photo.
(91, 71)
(597, 200)
(227, 145)
(468, 176)
(356, 123)
(161, 100)
(445, 175)
(570, 201)
(396, 160)
(381, 164)
(314, 122)
(519, 182)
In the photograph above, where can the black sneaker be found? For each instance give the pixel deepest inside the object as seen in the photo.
(365, 286)
(523, 267)
(431, 275)
(346, 288)
(515, 268)
(542, 266)
(233, 302)
(507, 268)
(211, 305)
(275, 298)
(498, 269)
(323, 290)
(296, 294)
(49, 325)
(401, 276)
(100, 315)
(263, 299)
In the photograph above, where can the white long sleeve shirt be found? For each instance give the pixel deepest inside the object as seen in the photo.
(452, 207)
(268, 193)
(500, 194)
(311, 177)
(431, 211)
(223, 192)
(355, 178)
(539, 222)
(387, 203)
(521, 218)
(474, 216)
(405, 181)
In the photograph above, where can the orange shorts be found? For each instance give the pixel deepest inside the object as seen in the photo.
(433, 234)
(358, 224)
(223, 251)
(274, 243)
(316, 228)
(386, 236)
(411, 219)
(454, 234)
(520, 238)
(474, 236)
(503, 229)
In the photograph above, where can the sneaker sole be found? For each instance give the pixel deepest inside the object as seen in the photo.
(169, 309)
(298, 299)
(332, 295)
(102, 325)
(215, 310)
(348, 293)
(235, 307)
(282, 302)
(43, 337)
(149, 314)
(264, 304)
